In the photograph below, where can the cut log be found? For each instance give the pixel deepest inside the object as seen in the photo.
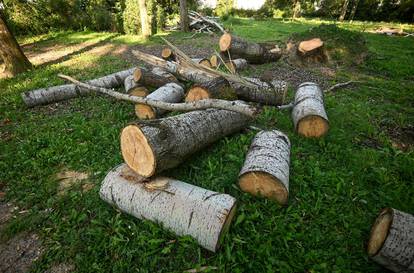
(171, 92)
(266, 169)
(157, 145)
(391, 242)
(252, 52)
(163, 73)
(69, 91)
(180, 207)
(272, 93)
(202, 61)
(139, 91)
(168, 54)
(310, 45)
(133, 88)
(218, 88)
(312, 51)
(214, 61)
(236, 65)
(308, 114)
(149, 78)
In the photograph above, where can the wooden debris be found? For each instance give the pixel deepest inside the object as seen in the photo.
(237, 65)
(272, 93)
(133, 88)
(148, 78)
(312, 51)
(218, 88)
(167, 54)
(207, 24)
(202, 61)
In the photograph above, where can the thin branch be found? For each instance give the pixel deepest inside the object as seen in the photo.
(339, 85)
(208, 21)
(224, 63)
(286, 106)
(236, 106)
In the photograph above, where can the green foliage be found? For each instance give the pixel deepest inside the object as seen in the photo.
(224, 8)
(131, 16)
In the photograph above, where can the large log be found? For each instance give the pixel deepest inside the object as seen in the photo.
(154, 146)
(180, 207)
(163, 73)
(391, 242)
(237, 65)
(218, 88)
(148, 78)
(308, 114)
(133, 88)
(266, 169)
(252, 52)
(272, 93)
(69, 91)
(171, 92)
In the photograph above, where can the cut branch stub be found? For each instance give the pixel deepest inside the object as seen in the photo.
(180, 207)
(237, 65)
(272, 93)
(391, 242)
(266, 169)
(168, 54)
(202, 61)
(171, 92)
(308, 114)
(149, 78)
(153, 146)
(218, 88)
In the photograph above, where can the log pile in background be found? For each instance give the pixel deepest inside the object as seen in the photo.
(206, 24)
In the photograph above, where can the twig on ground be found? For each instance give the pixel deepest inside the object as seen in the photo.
(339, 85)
(286, 106)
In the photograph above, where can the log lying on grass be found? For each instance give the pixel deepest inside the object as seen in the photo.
(308, 114)
(171, 92)
(69, 91)
(148, 78)
(168, 54)
(134, 89)
(180, 207)
(266, 169)
(272, 93)
(391, 242)
(218, 88)
(237, 65)
(252, 52)
(153, 146)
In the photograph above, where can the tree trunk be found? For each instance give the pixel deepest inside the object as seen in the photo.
(236, 65)
(184, 22)
(354, 9)
(218, 88)
(151, 79)
(13, 57)
(272, 93)
(344, 10)
(296, 9)
(180, 207)
(308, 114)
(171, 92)
(132, 88)
(252, 52)
(69, 91)
(154, 146)
(145, 25)
(391, 242)
(266, 169)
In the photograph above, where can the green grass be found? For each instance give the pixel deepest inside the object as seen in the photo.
(337, 184)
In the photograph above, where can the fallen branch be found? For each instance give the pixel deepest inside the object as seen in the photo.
(339, 85)
(236, 106)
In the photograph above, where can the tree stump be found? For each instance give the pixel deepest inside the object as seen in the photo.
(266, 169)
(167, 54)
(180, 207)
(272, 93)
(218, 88)
(312, 51)
(308, 114)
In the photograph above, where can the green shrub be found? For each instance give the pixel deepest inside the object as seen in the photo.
(132, 23)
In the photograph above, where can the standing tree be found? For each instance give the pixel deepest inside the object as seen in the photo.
(145, 25)
(14, 59)
(296, 8)
(344, 10)
(184, 16)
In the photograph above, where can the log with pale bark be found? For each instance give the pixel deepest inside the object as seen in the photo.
(308, 114)
(266, 169)
(148, 78)
(151, 147)
(165, 74)
(218, 88)
(68, 91)
(133, 88)
(180, 207)
(252, 52)
(391, 242)
(171, 92)
(237, 65)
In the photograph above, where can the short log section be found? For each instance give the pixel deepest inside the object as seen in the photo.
(134, 89)
(391, 242)
(171, 92)
(180, 207)
(308, 114)
(273, 93)
(167, 54)
(266, 169)
(218, 88)
(148, 78)
(153, 146)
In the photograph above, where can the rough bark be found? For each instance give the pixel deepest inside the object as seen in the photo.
(167, 54)
(165, 74)
(184, 21)
(202, 61)
(69, 91)
(391, 241)
(272, 93)
(154, 146)
(143, 14)
(266, 169)
(133, 88)
(308, 114)
(150, 79)
(180, 207)
(218, 88)
(10, 52)
(237, 65)
(171, 92)
(250, 51)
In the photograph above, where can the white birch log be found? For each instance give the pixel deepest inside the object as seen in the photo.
(272, 93)
(180, 207)
(391, 242)
(153, 146)
(133, 88)
(237, 65)
(308, 114)
(68, 91)
(266, 169)
(171, 92)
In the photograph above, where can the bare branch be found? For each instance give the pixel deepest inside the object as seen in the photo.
(339, 85)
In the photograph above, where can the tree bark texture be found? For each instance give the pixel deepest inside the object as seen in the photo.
(218, 88)
(154, 78)
(184, 21)
(266, 169)
(69, 91)
(133, 88)
(154, 146)
(180, 207)
(143, 14)
(272, 93)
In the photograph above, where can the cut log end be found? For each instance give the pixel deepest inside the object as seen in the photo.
(206, 63)
(214, 61)
(143, 111)
(139, 91)
(197, 93)
(226, 225)
(263, 184)
(137, 74)
(379, 231)
(137, 152)
(313, 126)
(166, 53)
(225, 42)
(231, 67)
(310, 45)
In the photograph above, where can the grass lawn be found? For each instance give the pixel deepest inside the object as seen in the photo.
(338, 183)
